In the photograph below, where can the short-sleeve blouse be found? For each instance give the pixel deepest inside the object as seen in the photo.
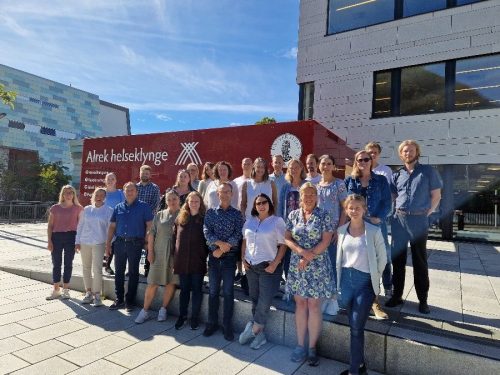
(309, 233)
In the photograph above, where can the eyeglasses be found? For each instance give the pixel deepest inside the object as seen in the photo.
(261, 203)
(364, 160)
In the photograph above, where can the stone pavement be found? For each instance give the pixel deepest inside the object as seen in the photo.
(64, 336)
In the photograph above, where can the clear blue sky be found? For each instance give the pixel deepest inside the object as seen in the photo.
(177, 64)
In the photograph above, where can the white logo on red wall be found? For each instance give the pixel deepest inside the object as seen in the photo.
(188, 153)
(288, 146)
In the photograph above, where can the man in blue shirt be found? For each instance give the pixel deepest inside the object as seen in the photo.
(222, 229)
(130, 222)
(417, 190)
(149, 193)
(278, 177)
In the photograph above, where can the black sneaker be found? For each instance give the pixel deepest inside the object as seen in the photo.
(423, 307)
(228, 334)
(210, 330)
(109, 271)
(393, 302)
(129, 307)
(195, 324)
(146, 273)
(180, 322)
(312, 358)
(117, 305)
(238, 276)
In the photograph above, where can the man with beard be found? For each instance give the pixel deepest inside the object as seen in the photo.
(312, 169)
(149, 193)
(417, 190)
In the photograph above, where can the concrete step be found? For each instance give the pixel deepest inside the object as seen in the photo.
(404, 344)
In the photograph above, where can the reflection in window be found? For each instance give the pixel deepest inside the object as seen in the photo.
(353, 14)
(307, 101)
(382, 100)
(413, 7)
(477, 83)
(423, 89)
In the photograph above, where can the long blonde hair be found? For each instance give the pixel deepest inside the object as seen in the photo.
(75, 198)
(304, 187)
(288, 175)
(185, 212)
(356, 173)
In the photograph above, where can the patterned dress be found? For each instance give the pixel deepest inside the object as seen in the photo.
(316, 280)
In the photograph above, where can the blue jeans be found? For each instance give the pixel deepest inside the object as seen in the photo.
(127, 251)
(356, 295)
(332, 253)
(262, 287)
(221, 270)
(190, 283)
(62, 241)
(387, 273)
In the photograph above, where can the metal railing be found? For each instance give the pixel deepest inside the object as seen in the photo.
(23, 211)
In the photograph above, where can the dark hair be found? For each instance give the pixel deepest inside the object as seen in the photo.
(269, 202)
(208, 165)
(312, 156)
(265, 177)
(229, 168)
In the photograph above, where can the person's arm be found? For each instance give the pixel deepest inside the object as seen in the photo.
(292, 245)
(435, 198)
(244, 198)
(50, 227)
(243, 250)
(235, 237)
(156, 201)
(111, 234)
(380, 251)
(320, 248)
(235, 197)
(274, 194)
(215, 246)
(79, 229)
(150, 244)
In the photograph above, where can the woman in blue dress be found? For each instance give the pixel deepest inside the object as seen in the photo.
(310, 278)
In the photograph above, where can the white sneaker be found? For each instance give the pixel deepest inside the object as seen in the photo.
(97, 301)
(247, 334)
(88, 298)
(143, 316)
(54, 295)
(162, 314)
(258, 341)
(330, 307)
(65, 294)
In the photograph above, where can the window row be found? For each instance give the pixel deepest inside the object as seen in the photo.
(455, 85)
(344, 15)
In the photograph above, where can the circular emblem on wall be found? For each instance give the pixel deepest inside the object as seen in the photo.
(288, 146)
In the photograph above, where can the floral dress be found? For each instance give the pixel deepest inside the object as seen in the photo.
(316, 280)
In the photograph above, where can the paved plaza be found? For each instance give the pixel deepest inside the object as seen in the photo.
(57, 337)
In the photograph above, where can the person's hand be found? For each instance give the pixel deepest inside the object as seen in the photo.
(151, 257)
(303, 263)
(50, 245)
(375, 220)
(246, 265)
(334, 237)
(77, 248)
(271, 268)
(108, 250)
(225, 247)
(308, 255)
(217, 253)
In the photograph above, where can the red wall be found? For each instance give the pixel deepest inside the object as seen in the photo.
(102, 155)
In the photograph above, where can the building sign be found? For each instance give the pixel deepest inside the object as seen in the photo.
(167, 153)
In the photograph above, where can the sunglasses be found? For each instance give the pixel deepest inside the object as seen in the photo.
(365, 160)
(261, 203)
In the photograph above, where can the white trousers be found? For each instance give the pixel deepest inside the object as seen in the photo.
(92, 256)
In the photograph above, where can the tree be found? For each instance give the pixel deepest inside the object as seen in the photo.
(266, 120)
(52, 177)
(8, 97)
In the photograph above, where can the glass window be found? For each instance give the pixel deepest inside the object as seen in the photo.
(353, 14)
(307, 101)
(463, 2)
(382, 97)
(423, 89)
(413, 7)
(477, 83)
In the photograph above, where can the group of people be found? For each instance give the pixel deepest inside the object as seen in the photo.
(326, 236)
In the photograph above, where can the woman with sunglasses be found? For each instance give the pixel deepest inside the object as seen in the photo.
(361, 258)
(375, 189)
(262, 250)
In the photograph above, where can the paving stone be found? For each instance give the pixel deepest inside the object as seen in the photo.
(17, 316)
(11, 344)
(10, 363)
(22, 305)
(327, 367)
(101, 367)
(48, 319)
(274, 361)
(165, 364)
(52, 366)
(39, 335)
(233, 363)
(42, 351)
(245, 350)
(143, 331)
(11, 329)
(200, 347)
(83, 355)
(483, 305)
(5, 301)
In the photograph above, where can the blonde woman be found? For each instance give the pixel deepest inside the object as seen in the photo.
(160, 254)
(61, 234)
(206, 178)
(90, 241)
(194, 174)
(310, 278)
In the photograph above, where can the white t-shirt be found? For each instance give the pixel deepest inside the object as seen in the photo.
(355, 253)
(385, 171)
(263, 238)
(314, 180)
(93, 226)
(254, 189)
(211, 198)
(239, 181)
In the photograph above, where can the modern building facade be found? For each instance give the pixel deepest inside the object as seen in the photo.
(390, 70)
(48, 115)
